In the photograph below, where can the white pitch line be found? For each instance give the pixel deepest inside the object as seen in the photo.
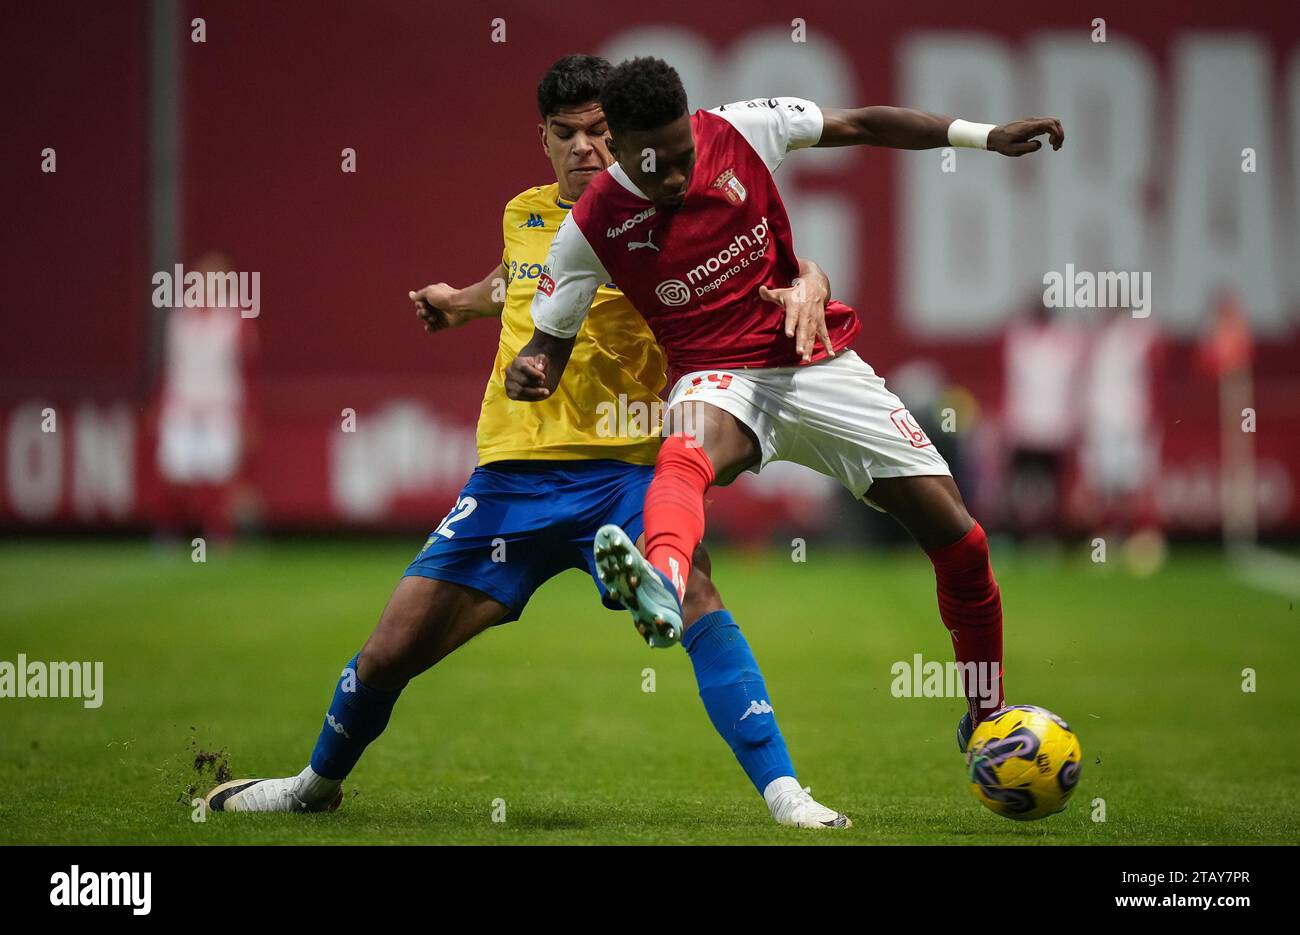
(1267, 570)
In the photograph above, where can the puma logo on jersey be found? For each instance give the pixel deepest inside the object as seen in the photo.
(648, 242)
(758, 707)
(338, 728)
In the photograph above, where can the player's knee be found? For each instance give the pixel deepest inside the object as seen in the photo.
(973, 535)
(381, 664)
(414, 632)
(394, 653)
(964, 571)
(682, 453)
(946, 523)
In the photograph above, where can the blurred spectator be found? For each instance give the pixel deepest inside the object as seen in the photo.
(1227, 347)
(1121, 439)
(203, 413)
(1226, 354)
(1043, 356)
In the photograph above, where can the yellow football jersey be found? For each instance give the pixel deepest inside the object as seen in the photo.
(607, 405)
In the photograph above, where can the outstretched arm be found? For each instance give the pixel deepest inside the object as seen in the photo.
(441, 306)
(903, 128)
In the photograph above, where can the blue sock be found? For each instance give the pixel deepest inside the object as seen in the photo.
(357, 715)
(732, 689)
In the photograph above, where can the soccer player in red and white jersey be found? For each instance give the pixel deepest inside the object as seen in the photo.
(691, 226)
(204, 413)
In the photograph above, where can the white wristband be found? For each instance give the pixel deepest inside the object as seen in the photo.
(970, 135)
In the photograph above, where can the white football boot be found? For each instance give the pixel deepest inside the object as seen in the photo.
(793, 805)
(305, 792)
(639, 586)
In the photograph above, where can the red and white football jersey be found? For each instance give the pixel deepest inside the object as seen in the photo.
(694, 272)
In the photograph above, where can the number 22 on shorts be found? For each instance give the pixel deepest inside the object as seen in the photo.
(464, 506)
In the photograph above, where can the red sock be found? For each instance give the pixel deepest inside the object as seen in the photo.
(674, 507)
(970, 605)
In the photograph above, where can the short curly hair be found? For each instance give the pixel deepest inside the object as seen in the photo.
(571, 82)
(642, 94)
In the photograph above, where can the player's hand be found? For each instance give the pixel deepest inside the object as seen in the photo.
(1017, 137)
(804, 302)
(435, 306)
(526, 378)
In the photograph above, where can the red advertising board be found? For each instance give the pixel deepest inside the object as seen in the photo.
(1182, 161)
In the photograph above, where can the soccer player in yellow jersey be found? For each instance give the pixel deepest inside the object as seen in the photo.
(550, 474)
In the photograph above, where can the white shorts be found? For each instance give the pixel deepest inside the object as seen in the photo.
(1119, 460)
(835, 416)
(199, 447)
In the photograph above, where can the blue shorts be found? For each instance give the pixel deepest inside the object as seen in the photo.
(517, 524)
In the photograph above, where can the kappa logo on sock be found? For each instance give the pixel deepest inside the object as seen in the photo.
(758, 707)
(338, 728)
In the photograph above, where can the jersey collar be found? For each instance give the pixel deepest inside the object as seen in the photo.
(616, 170)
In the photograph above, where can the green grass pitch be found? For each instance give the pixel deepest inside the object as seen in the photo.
(239, 655)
